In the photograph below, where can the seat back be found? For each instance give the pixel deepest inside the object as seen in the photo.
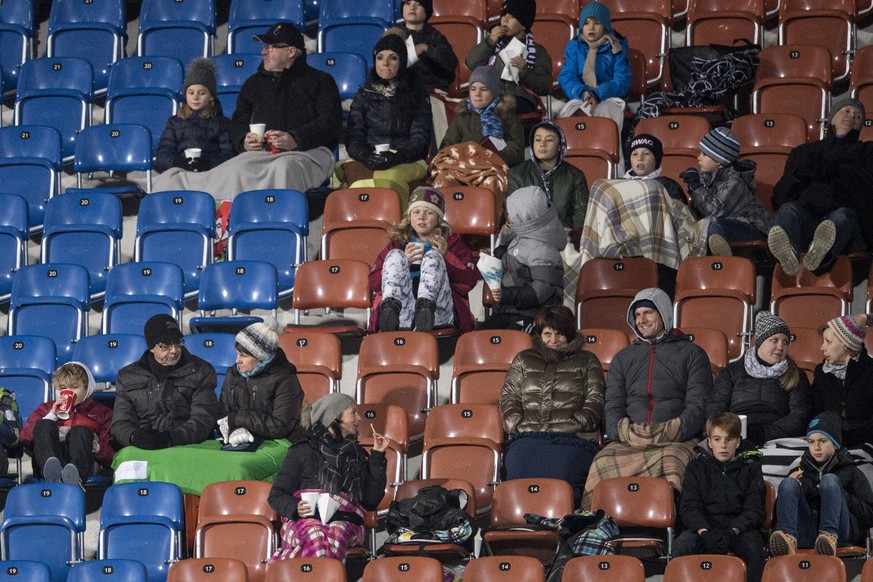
(355, 222)
(219, 349)
(606, 288)
(714, 343)
(647, 28)
(592, 146)
(232, 70)
(25, 571)
(392, 422)
(114, 147)
(826, 23)
(802, 567)
(337, 283)
(27, 363)
(13, 240)
(250, 17)
(30, 165)
(712, 22)
(635, 501)
(504, 569)
(17, 31)
(604, 343)
(481, 361)
(348, 69)
(474, 211)
(137, 291)
(552, 498)
(181, 30)
(350, 35)
(306, 570)
(207, 570)
(715, 568)
(238, 285)
(403, 568)
(409, 489)
(861, 87)
(109, 571)
(177, 227)
(463, 35)
(318, 359)
(616, 568)
(400, 368)
(555, 31)
(805, 349)
(106, 354)
(680, 135)
(811, 299)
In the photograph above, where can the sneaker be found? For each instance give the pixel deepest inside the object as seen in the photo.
(51, 471)
(782, 544)
(822, 243)
(719, 246)
(389, 314)
(780, 246)
(70, 474)
(826, 544)
(425, 314)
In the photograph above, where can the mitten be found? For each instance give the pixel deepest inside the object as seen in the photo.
(240, 436)
(143, 438)
(377, 161)
(180, 161)
(163, 440)
(222, 426)
(691, 177)
(200, 164)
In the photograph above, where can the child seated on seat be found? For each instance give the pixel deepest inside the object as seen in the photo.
(826, 501)
(722, 502)
(646, 153)
(66, 444)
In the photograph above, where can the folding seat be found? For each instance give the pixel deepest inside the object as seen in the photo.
(306, 570)
(722, 285)
(724, 21)
(333, 284)
(474, 10)
(250, 17)
(106, 354)
(231, 71)
(473, 211)
(604, 343)
(705, 568)
(219, 349)
(45, 522)
(207, 570)
(30, 166)
(803, 567)
(481, 360)
(51, 300)
(811, 299)
(403, 569)
(25, 571)
(606, 288)
(177, 227)
(355, 222)
(145, 91)
(566, 7)
(805, 349)
(463, 35)
(17, 32)
(58, 93)
(353, 27)
(465, 441)
(108, 571)
(235, 521)
(592, 146)
(504, 569)
(235, 285)
(318, 359)
(115, 147)
(349, 70)
(13, 240)
(638, 505)
(84, 229)
(867, 572)
(270, 226)
(680, 136)
(767, 139)
(399, 368)
(95, 31)
(554, 31)
(509, 533)
(795, 79)
(27, 363)
(179, 29)
(861, 87)
(137, 291)
(714, 343)
(142, 521)
(616, 568)
(826, 23)
(647, 29)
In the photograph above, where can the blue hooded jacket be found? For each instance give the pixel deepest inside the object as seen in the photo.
(613, 70)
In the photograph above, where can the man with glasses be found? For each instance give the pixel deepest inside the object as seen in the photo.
(167, 397)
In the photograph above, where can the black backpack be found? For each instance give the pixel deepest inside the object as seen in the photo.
(432, 509)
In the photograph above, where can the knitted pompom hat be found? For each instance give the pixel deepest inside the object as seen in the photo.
(848, 332)
(260, 339)
(722, 145)
(768, 325)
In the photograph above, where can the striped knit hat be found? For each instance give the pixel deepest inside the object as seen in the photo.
(430, 198)
(768, 325)
(722, 145)
(849, 332)
(260, 339)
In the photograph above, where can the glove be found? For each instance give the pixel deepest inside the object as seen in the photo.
(383, 161)
(240, 436)
(222, 426)
(716, 541)
(180, 161)
(200, 164)
(151, 440)
(691, 177)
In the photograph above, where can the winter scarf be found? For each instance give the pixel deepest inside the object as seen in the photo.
(530, 47)
(491, 124)
(343, 463)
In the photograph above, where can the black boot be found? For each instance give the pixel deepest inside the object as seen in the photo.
(425, 314)
(389, 314)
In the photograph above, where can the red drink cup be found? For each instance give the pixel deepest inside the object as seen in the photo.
(67, 398)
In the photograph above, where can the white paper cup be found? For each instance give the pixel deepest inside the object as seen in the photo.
(193, 153)
(421, 251)
(258, 128)
(310, 497)
(743, 420)
(381, 148)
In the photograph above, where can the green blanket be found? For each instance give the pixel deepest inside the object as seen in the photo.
(193, 467)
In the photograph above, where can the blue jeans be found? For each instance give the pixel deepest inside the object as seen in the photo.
(795, 517)
(733, 230)
(799, 224)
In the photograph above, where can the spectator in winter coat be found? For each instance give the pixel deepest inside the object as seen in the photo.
(646, 154)
(822, 201)
(435, 60)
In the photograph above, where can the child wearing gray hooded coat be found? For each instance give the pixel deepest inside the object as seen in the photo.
(533, 271)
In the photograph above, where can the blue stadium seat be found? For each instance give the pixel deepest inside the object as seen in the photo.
(17, 31)
(45, 522)
(84, 229)
(353, 27)
(115, 147)
(30, 166)
(108, 571)
(182, 29)
(234, 285)
(219, 349)
(271, 226)
(137, 291)
(144, 91)
(144, 522)
(53, 301)
(95, 30)
(25, 571)
(57, 93)
(349, 70)
(106, 354)
(13, 240)
(231, 71)
(177, 227)
(250, 17)
(27, 363)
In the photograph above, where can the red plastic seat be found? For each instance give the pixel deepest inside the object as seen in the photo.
(724, 21)
(355, 223)
(334, 284)
(392, 422)
(306, 570)
(481, 361)
(473, 211)
(604, 343)
(207, 570)
(680, 135)
(606, 568)
(826, 23)
(705, 568)
(810, 299)
(804, 568)
(463, 34)
(646, 25)
(714, 343)
(318, 359)
(606, 288)
(504, 569)
(592, 146)
(403, 569)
